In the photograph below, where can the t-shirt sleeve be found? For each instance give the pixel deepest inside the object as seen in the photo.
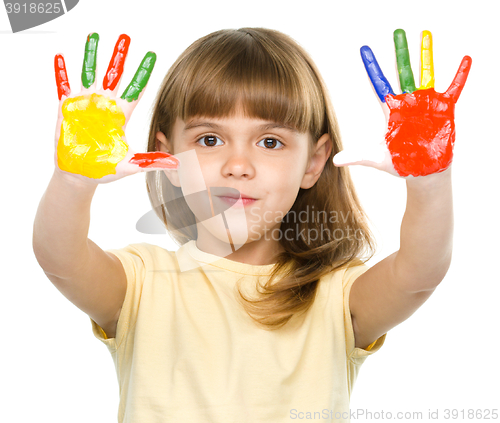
(356, 354)
(134, 264)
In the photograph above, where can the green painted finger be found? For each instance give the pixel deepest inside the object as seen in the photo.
(141, 77)
(403, 58)
(89, 60)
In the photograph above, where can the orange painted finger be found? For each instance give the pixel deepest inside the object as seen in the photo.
(116, 64)
(155, 159)
(457, 85)
(62, 82)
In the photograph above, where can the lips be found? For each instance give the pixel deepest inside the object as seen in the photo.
(231, 193)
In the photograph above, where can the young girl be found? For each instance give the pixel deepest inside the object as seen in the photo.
(256, 317)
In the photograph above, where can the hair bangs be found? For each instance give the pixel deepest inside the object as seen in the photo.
(244, 73)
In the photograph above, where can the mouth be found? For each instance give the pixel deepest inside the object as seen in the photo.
(230, 193)
(237, 197)
(237, 202)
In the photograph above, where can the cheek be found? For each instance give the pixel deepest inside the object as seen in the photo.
(193, 175)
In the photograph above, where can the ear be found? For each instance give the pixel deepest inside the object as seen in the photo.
(317, 162)
(163, 144)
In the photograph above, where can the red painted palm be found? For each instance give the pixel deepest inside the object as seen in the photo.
(421, 127)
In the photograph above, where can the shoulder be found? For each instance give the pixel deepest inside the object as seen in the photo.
(347, 274)
(339, 281)
(352, 271)
(143, 255)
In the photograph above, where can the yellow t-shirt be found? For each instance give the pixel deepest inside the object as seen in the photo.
(186, 351)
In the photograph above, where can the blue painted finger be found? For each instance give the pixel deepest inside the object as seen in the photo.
(379, 81)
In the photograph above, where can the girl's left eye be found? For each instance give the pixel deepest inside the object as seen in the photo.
(273, 142)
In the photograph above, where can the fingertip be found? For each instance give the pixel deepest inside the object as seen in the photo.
(399, 33)
(426, 40)
(59, 61)
(149, 60)
(366, 53)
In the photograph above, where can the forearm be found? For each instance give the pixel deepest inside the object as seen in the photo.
(61, 226)
(426, 232)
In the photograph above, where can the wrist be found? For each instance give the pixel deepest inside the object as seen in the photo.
(434, 180)
(73, 182)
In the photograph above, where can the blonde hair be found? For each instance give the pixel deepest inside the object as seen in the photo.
(272, 78)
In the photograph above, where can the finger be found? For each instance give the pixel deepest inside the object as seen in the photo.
(116, 64)
(62, 82)
(141, 78)
(457, 85)
(403, 58)
(373, 156)
(155, 160)
(426, 62)
(89, 60)
(379, 81)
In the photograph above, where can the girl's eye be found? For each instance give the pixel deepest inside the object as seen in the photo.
(270, 143)
(211, 141)
(208, 140)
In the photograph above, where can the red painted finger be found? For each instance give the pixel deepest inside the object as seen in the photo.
(117, 62)
(155, 159)
(61, 76)
(456, 87)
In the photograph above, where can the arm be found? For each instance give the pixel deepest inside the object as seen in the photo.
(90, 278)
(393, 289)
(418, 146)
(90, 148)
(61, 227)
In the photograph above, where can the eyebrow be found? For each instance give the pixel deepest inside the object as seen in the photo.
(266, 126)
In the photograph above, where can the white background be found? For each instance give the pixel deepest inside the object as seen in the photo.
(443, 357)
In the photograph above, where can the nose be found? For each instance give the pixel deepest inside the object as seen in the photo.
(239, 165)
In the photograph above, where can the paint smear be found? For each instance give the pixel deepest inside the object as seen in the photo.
(91, 141)
(421, 132)
(156, 159)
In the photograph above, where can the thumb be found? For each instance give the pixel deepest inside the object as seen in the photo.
(372, 157)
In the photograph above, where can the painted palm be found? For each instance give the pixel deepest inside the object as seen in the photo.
(90, 133)
(421, 127)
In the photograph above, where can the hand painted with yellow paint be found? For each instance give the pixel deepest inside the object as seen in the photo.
(90, 134)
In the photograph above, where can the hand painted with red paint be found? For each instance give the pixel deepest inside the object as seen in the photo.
(90, 134)
(421, 128)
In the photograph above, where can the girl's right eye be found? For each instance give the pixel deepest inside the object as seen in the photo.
(208, 140)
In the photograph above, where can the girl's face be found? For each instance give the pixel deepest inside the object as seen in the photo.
(240, 155)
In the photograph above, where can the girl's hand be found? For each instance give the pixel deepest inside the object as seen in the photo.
(90, 133)
(421, 128)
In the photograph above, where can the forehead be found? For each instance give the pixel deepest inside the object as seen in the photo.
(234, 121)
